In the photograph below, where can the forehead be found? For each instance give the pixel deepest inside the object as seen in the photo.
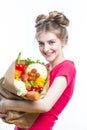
(45, 36)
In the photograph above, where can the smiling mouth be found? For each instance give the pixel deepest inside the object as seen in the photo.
(48, 53)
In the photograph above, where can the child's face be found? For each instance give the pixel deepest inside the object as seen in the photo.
(50, 46)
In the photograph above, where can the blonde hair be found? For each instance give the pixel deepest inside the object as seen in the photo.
(55, 22)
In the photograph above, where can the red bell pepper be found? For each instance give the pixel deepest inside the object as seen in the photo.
(19, 66)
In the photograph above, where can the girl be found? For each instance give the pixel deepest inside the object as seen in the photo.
(52, 36)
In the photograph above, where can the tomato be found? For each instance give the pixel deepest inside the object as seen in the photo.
(24, 77)
(33, 89)
(39, 89)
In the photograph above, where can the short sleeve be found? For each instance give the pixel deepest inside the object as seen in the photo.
(66, 69)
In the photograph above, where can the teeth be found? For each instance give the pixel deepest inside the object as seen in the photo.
(48, 54)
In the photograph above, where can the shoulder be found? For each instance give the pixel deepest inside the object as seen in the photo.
(66, 68)
(69, 66)
(67, 63)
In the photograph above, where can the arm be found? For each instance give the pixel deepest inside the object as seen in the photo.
(42, 105)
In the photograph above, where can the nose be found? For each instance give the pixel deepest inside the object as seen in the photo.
(46, 47)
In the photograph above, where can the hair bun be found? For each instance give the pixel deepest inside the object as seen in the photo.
(41, 18)
(53, 16)
(58, 18)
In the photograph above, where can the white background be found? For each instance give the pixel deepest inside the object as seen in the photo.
(17, 31)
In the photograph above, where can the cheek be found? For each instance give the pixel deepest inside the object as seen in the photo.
(40, 49)
(55, 47)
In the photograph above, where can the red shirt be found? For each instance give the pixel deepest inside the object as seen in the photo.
(47, 120)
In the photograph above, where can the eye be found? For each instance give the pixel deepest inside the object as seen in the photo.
(51, 42)
(41, 44)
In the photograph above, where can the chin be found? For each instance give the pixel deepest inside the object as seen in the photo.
(49, 59)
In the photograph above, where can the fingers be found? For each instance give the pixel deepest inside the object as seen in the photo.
(2, 115)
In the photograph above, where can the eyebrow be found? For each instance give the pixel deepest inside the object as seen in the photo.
(48, 40)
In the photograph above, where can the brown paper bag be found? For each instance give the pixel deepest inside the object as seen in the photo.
(20, 119)
(7, 89)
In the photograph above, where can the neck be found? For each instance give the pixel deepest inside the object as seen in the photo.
(56, 62)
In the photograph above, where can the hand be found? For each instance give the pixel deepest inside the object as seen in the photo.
(3, 108)
(2, 115)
